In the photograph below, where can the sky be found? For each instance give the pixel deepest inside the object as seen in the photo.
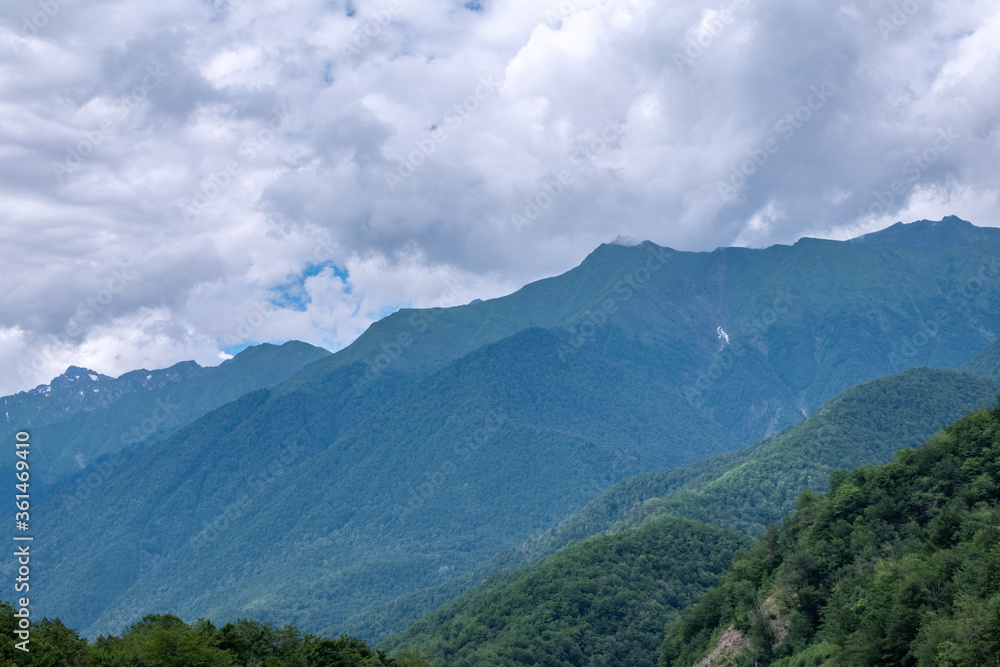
(182, 178)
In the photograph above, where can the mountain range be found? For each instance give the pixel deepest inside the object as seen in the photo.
(358, 490)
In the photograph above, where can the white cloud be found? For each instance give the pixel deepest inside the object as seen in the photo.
(174, 103)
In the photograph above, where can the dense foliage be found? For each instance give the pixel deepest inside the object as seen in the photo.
(742, 490)
(600, 601)
(164, 640)
(898, 564)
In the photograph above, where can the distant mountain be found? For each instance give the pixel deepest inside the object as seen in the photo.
(72, 428)
(73, 377)
(79, 390)
(443, 437)
(742, 490)
(896, 565)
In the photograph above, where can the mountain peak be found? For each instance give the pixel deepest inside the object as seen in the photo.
(931, 235)
(73, 376)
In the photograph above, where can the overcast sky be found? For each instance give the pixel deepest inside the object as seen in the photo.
(181, 177)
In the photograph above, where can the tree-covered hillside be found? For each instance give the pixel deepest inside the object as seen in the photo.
(601, 601)
(73, 427)
(743, 490)
(898, 564)
(164, 640)
(468, 462)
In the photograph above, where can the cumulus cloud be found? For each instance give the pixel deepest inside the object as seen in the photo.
(184, 177)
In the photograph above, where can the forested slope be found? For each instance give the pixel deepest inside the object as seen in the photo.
(898, 564)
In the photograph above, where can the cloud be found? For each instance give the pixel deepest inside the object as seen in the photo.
(382, 153)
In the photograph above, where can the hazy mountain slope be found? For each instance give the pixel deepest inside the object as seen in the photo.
(601, 601)
(461, 465)
(985, 365)
(741, 490)
(115, 523)
(897, 565)
(81, 389)
(67, 446)
(746, 489)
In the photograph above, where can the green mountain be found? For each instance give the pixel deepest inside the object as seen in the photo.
(600, 601)
(81, 389)
(741, 490)
(985, 365)
(895, 565)
(465, 463)
(71, 428)
(443, 437)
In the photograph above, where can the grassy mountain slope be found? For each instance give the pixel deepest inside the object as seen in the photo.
(896, 565)
(742, 490)
(601, 601)
(470, 461)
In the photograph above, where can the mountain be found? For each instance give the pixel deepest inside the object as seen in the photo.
(603, 600)
(895, 565)
(986, 364)
(932, 235)
(72, 428)
(757, 338)
(414, 455)
(742, 490)
(81, 389)
(459, 466)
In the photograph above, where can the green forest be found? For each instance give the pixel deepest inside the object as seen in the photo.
(898, 564)
(164, 640)
(601, 601)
